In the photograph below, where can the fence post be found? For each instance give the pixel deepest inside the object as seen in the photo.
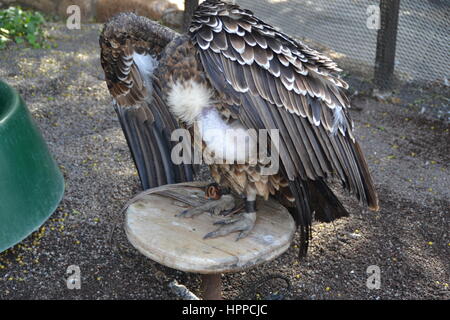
(386, 40)
(189, 8)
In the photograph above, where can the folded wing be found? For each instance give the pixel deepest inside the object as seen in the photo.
(279, 83)
(129, 61)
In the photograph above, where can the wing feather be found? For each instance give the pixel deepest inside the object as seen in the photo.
(280, 83)
(144, 117)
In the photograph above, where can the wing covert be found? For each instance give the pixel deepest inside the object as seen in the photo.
(280, 83)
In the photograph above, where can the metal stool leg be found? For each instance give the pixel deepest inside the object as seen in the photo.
(212, 287)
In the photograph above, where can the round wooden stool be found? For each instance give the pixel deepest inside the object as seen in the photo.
(152, 228)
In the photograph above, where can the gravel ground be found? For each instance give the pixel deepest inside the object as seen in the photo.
(408, 153)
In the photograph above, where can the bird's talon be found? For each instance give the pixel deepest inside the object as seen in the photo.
(243, 224)
(225, 221)
(214, 207)
(241, 235)
(185, 214)
(208, 235)
(180, 214)
(226, 212)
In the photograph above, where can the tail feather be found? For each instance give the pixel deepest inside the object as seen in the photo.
(324, 203)
(301, 211)
(308, 199)
(369, 188)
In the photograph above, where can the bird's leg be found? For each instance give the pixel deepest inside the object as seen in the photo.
(220, 206)
(242, 222)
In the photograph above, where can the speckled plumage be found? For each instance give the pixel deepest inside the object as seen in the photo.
(181, 64)
(256, 78)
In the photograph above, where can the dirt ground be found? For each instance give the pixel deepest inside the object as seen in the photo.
(407, 150)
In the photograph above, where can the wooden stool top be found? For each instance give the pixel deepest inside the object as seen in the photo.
(151, 227)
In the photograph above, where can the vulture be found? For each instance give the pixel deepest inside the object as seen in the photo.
(232, 72)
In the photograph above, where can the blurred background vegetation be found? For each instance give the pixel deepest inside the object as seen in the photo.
(21, 26)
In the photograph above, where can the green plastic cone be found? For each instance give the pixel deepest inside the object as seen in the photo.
(31, 184)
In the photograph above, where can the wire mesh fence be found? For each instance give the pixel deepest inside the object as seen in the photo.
(346, 27)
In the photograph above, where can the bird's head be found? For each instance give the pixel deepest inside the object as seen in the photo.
(214, 192)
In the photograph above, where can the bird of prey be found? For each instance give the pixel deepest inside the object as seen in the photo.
(233, 71)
